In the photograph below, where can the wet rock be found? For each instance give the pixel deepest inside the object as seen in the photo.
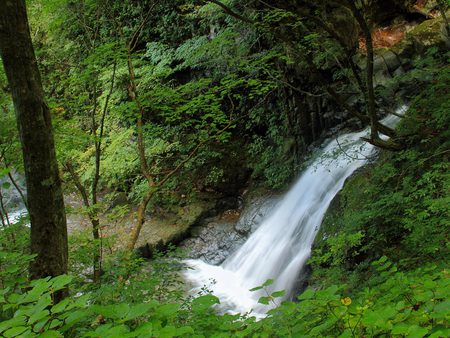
(252, 216)
(214, 242)
(217, 238)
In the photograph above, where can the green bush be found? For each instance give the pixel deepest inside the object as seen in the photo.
(395, 304)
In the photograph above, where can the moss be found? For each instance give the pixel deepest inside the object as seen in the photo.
(428, 34)
(174, 226)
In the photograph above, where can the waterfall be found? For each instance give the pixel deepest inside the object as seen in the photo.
(281, 245)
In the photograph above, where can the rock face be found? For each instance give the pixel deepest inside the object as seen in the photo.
(399, 59)
(254, 214)
(214, 242)
(217, 238)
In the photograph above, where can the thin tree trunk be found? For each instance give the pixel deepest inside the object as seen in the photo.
(94, 188)
(2, 219)
(45, 197)
(140, 219)
(19, 190)
(90, 203)
(15, 184)
(371, 106)
(5, 218)
(3, 209)
(93, 218)
(132, 89)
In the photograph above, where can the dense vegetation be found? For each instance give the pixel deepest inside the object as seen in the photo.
(164, 102)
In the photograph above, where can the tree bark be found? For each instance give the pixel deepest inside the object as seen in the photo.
(44, 192)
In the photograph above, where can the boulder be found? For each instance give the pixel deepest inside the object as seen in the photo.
(160, 231)
(391, 59)
(217, 238)
(430, 33)
(214, 242)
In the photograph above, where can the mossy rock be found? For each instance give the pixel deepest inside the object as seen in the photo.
(338, 221)
(428, 34)
(157, 232)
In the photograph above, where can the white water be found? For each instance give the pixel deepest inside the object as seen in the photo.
(279, 248)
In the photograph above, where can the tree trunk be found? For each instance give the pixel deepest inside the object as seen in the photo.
(44, 192)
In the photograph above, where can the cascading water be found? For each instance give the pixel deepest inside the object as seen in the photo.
(12, 200)
(279, 248)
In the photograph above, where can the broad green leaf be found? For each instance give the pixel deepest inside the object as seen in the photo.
(268, 282)
(278, 294)
(114, 311)
(15, 331)
(308, 294)
(264, 300)
(60, 282)
(204, 302)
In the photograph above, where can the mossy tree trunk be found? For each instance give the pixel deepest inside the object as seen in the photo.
(44, 192)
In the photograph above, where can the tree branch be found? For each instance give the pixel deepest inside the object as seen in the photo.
(231, 12)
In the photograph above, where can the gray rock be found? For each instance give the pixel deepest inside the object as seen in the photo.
(252, 216)
(218, 238)
(214, 242)
(399, 71)
(391, 60)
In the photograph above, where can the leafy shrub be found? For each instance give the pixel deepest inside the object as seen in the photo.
(397, 304)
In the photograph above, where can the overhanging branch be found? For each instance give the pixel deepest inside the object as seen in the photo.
(231, 12)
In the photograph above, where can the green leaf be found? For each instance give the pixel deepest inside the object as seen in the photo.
(308, 294)
(416, 331)
(144, 330)
(167, 310)
(256, 288)
(73, 318)
(268, 282)
(184, 330)
(38, 316)
(60, 282)
(61, 306)
(17, 320)
(278, 294)
(15, 331)
(264, 300)
(204, 302)
(168, 332)
(115, 311)
(110, 331)
(139, 310)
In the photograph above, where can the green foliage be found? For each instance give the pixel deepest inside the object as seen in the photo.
(14, 255)
(398, 207)
(34, 313)
(217, 95)
(399, 304)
